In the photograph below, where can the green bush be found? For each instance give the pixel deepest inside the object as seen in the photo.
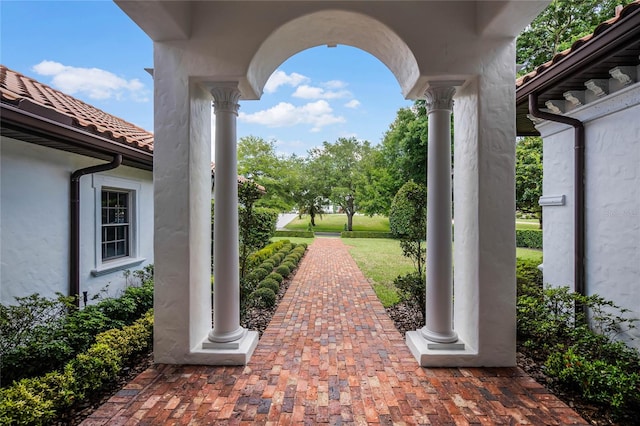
(283, 270)
(267, 264)
(365, 234)
(528, 274)
(300, 250)
(529, 238)
(412, 290)
(39, 334)
(289, 264)
(270, 284)
(286, 248)
(265, 253)
(260, 273)
(277, 258)
(596, 380)
(38, 400)
(264, 298)
(292, 258)
(275, 276)
(579, 349)
(292, 234)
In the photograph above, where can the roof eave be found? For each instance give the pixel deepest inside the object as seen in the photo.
(25, 122)
(601, 46)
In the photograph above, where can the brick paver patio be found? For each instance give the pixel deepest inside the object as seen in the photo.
(332, 355)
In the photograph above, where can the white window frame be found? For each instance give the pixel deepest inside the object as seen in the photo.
(133, 188)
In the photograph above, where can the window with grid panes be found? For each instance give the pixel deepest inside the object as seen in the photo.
(116, 224)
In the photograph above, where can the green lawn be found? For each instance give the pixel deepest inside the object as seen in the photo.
(381, 261)
(336, 223)
(525, 253)
(527, 224)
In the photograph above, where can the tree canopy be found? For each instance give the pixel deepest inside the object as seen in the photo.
(529, 175)
(558, 26)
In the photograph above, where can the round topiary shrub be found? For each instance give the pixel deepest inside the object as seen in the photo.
(283, 270)
(267, 264)
(276, 258)
(304, 245)
(275, 276)
(270, 283)
(289, 265)
(299, 250)
(292, 257)
(260, 273)
(263, 298)
(285, 249)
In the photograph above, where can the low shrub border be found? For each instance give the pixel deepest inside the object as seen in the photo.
(365, 234)
(38, 400)
(579, 352)
(292, 234)
(529, 238)
(39, 334)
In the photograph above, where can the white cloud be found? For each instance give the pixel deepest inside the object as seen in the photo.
(335, 84)
(312, 92)
(353, 103)
(284, 114)
(93, 82)
(280, 78)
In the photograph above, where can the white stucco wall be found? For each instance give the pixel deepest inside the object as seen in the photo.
(34, 221)
(612, 200)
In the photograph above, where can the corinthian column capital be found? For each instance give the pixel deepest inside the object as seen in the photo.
(226, 97)
(439, 97)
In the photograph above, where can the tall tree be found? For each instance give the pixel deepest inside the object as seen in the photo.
(529, 176)
(339, 165)
(258, 161)
(558, 26)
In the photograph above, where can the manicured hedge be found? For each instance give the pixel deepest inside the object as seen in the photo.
(291, 234)
(365, 234)
(38, 400)
(263, 254)
(529, 238)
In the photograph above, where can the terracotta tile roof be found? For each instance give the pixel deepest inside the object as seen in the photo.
(16, 88)
(621, 12)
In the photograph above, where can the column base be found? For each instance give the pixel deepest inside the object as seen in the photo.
(436, 337)
(224, 338)
(228, 353)
(430, 354)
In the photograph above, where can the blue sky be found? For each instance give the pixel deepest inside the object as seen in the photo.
(94, 52)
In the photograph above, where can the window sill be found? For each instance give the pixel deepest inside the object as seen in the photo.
(117, 265)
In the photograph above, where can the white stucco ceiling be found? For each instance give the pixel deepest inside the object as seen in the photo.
(419, 41)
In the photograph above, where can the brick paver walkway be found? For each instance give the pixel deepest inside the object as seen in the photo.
(332, 355)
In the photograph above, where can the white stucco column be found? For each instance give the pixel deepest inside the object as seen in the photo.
(438, 322)
(228, 341)
(226, 301)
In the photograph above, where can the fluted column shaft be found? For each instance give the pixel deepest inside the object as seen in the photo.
(226, 307)
(438, 322)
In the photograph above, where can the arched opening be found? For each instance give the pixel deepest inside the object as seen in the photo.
(433, 50)
(321, 94)
(332, 27)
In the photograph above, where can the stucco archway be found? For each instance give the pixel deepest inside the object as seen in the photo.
(225, 51)
(332, 27)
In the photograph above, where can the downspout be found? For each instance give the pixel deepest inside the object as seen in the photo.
(74, 243)
(578, 185)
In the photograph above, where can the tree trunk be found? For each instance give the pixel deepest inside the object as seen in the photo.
(349, 221)
(313, 219)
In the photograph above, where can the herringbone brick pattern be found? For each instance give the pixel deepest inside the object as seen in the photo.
(331, 355)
